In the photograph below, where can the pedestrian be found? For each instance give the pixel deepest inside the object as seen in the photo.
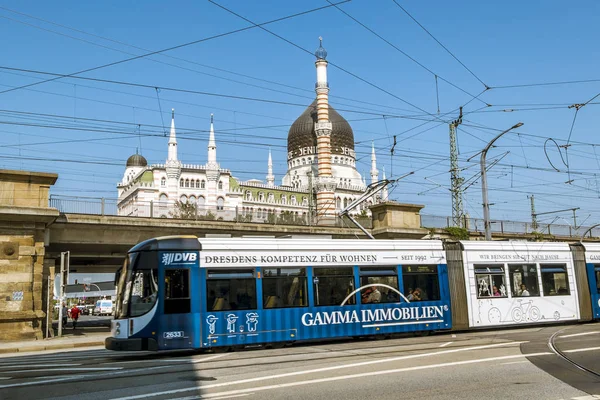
(65, 314)
(75, 315)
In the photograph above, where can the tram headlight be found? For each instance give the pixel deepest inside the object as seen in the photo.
(117, 332)
(118, 325)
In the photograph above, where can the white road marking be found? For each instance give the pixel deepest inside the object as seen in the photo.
(37, 366)
(336, 367)
(515, 362)
(578, 334)
(5, 377)
(445, 344)
(579, 350)
(208, 358)
(67, 369)
(322, 380)
(216, 398)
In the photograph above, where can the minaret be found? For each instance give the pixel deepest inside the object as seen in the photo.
(384, 192)
(325, 183)
(212, 168)
(173, 165)
(374, 171)
(270, 176)
(212, 147)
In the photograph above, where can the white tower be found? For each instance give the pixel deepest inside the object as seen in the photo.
(212, 167)
(374, 171)
(270, 176)
(173, 165)
(326, 183)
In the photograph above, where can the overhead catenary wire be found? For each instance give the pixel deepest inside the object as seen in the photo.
(402, 52)
(330, 62)
(170, 48)
(185, 60)
(440, 43)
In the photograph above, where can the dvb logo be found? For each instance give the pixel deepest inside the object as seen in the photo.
(179, 258)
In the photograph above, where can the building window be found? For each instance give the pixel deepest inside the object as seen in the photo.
(187, 183)
(271, 198)
(197, 184)
(524, 280)
(201, 202)
(284, 287)
(293, 200)
(555, 281)
(220, 203)
(283, 199)
(248, 195)
(163, 182)
(220, 185)
(261, 196)
(183, 199)
(490, 281)
(203, 184)
(339, 203)
(181, 183)
(193, 199)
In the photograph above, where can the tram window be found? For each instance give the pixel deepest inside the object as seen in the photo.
(421, 282)
(524, 280)
(177, 291)
(490, 281)
(597, 270)
(230, 290)
(379, 276)
(333, 285)
(554, 279)
(284, 287)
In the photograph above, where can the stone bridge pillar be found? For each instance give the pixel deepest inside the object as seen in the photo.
(24, 218)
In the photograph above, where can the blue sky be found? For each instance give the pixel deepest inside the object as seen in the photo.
(507, 43)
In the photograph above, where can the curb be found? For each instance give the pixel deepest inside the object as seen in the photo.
(57, 346)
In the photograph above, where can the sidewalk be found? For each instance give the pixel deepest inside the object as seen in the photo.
(86, 335)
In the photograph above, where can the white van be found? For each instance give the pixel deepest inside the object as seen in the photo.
(104, 307)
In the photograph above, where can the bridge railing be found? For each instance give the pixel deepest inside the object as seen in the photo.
(266, 214)
(502, 226)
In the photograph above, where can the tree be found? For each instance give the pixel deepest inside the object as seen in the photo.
(184, 210)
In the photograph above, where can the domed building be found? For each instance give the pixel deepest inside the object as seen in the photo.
(320, 181)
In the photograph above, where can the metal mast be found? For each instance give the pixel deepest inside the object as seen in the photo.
(534, 223)
(456, 180)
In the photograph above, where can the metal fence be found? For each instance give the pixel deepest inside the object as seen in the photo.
(266, 214)
(476, 225)
(258, 213)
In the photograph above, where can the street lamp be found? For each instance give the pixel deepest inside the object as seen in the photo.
(484, 195)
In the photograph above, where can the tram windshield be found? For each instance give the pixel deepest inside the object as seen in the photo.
(138, 285)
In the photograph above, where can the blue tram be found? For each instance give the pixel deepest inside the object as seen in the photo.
(191, 293)
(592, 260)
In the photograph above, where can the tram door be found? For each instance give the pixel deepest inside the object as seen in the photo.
(177, 330)
(593, 271)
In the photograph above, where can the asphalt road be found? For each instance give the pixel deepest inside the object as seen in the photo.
(503, 364)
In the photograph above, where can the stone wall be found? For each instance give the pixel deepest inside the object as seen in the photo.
(24, 219)
(21, 270)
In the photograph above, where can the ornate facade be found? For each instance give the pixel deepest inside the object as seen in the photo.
(311, 191)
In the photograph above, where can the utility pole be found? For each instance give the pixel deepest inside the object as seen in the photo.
(64, 280)
(456, 180)
(534, 224)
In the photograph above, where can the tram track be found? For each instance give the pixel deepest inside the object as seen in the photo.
(554, 348)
